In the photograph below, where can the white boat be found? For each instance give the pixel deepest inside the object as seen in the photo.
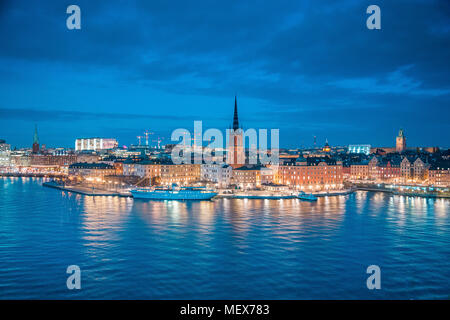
(306, 196)
(174, 193)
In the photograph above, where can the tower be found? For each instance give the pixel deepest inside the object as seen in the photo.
(400, 142)
(35, 141)
(326, 148)
(236, 155)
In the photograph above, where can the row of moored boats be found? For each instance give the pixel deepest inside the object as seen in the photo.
(197, 193)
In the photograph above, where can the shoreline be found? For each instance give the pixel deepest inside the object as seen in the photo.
(101, 192)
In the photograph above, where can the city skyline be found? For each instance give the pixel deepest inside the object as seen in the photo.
(141, 140)
(130, 68)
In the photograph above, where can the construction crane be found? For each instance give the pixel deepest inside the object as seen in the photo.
(147, 133)
(158, 141)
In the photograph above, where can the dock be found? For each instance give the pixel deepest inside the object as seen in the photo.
(87, 191)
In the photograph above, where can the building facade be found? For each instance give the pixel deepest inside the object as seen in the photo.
(359, 148)
(359, 171)
(49, 160)
(235, 150)
(181, 174)
(247, 177)
(91, 170)
(220, 174)
(5, 154)
(439, 174)
(400, 142)
(312, 174)
(95, 144)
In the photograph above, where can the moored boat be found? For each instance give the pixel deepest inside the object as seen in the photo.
(306, 196)
(174, 193)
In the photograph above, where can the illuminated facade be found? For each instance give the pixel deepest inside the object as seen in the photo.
(181, 174)
(5, 153)
(326, 148)
(147, 169)
(52, 160)
(312, 174)
(359, 148)
(400, 142)
(439, 174)
(236, 154)
(220, 174)
(247, 177)
(94, 144)
(414, 169)
(359, 171)
(91, 170)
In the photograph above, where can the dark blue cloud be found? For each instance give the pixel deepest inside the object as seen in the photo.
(305, 67)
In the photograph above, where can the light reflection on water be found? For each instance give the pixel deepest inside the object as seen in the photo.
(226, 249)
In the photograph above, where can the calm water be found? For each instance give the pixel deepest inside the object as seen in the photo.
(221, 249)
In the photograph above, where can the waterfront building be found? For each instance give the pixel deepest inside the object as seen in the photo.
(5, 154)
(372, 167)
(400, 142)
(95, 144)
(20, 158)
(35, 148)
(312, 173)
(439, 174)
(359, 148)
(405, 169)
(181, 174)
(247, 176)
(49, 160)
(346, 172)
(268, 175)
(147, 169)
(235, 152)
(87, 157)
(91, 170)
(117, 163)
(360, 171)
(420, 169)
(388, 170)
(220, 174)
(163, 173)
(129, 168)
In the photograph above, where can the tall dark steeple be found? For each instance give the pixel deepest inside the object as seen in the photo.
(236, 154)
(35, 141)
(235, 118)
(35, 137)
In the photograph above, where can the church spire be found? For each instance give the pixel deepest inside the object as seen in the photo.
(35, 148)
(235, 118)
(36, 137)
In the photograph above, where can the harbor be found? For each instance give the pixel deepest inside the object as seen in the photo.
(224, 193)
(293, 243)
(250, 194)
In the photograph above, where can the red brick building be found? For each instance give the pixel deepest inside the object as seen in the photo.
(312, 174)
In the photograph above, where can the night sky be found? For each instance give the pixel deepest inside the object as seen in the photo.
(309, 68)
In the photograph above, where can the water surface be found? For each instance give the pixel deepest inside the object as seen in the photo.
(220, 249)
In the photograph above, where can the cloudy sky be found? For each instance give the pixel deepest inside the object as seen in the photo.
(309, 68)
